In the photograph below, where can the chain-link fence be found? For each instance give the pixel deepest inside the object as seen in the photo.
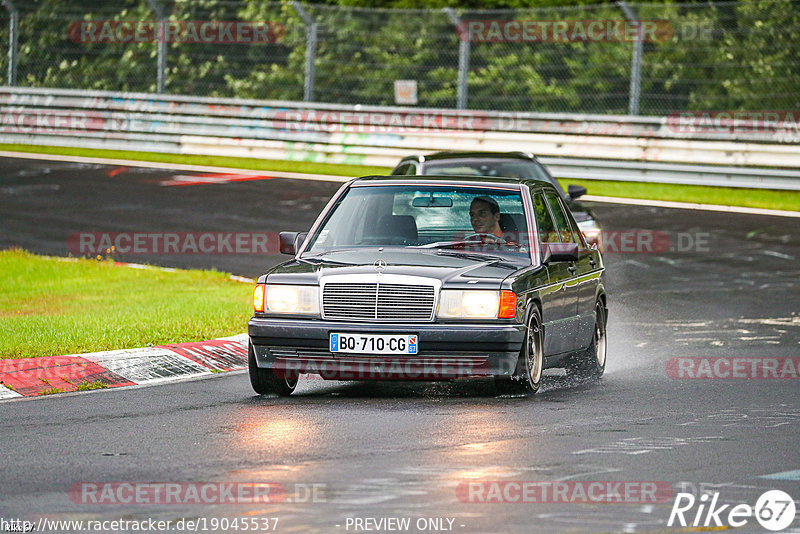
(650, 59)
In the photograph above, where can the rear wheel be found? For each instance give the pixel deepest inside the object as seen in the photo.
(528, 375)
(265, 381)
(592, 362)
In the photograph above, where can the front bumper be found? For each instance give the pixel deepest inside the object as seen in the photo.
(446, 351)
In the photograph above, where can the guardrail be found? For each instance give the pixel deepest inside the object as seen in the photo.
(581, 146)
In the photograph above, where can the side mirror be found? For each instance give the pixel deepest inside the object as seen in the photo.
(299, 240)
(290, 242)
(575, 191)
(560, 252)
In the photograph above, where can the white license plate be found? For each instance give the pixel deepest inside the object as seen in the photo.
(375, 343)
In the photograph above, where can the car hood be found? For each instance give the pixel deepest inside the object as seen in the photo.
(452, 268)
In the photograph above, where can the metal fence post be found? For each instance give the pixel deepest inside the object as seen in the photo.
(636, 61)
(311, 51)
(162, 45)
(13, 30)
(463, 59)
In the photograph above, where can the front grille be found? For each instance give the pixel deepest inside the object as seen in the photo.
(378, 302)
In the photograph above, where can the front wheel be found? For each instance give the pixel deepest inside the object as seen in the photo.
(265, 381)
(592, 362)
(528, 375)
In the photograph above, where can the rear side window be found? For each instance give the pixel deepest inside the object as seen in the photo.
(544, 222)
(401, 170)
(565, 230)
(405, 169)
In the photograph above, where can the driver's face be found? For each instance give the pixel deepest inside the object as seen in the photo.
(482, 219)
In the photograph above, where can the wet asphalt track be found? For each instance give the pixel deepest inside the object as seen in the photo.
(400, 450)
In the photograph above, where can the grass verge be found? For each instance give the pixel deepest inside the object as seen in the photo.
(726, 196)
(49, 306)
(307, 167)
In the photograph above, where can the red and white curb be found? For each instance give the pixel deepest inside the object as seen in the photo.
(28, 377)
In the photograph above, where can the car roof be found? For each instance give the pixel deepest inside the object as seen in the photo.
(453, 154)
(466, 180)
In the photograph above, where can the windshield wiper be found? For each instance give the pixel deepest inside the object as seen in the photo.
(469, 254)
(320, 257)
(447, 244)
(326, 252)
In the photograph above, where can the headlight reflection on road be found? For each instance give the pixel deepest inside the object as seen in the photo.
(275, 435)
(483, 454)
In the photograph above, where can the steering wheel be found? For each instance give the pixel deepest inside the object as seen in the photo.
(481, 237)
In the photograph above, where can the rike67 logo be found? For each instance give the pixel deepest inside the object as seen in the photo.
(774, 510)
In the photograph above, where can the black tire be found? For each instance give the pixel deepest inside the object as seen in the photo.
(265, 381)
(528, 375)
(591, 364)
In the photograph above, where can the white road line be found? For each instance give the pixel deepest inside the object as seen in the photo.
(690, 206)
(243, 279)
(777, 255)
(6, 393)
(785, 475)
(331, 178)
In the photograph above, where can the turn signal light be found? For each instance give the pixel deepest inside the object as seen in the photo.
(508, 305)
(258, 298)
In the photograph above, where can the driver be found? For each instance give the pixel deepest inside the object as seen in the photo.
(484, 214)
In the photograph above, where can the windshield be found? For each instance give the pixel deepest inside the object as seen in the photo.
(510, 167)
(468, 219)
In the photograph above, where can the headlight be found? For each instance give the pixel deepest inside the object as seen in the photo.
(479, 304)
(476, 304)
(301, 300)
(592, 232)
(589, 226)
